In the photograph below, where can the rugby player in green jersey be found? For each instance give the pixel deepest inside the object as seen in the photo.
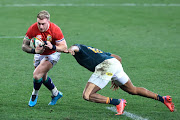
(106, 67)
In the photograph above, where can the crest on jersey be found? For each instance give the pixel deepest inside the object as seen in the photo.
(49, 38)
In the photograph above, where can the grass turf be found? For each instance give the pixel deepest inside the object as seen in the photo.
(147, 39)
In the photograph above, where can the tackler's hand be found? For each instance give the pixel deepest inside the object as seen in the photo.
(71, 51)
(114, 86)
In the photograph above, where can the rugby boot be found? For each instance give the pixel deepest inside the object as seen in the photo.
(33, 100)
(55, 98)
(120, 107)
(168, 102)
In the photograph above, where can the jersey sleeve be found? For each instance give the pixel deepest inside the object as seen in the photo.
(58, 35)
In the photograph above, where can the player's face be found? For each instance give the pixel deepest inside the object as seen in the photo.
(43, 25)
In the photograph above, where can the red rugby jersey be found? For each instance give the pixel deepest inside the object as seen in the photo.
(53, 34)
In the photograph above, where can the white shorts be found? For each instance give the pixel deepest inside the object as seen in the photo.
(53, 58)
(110, 69)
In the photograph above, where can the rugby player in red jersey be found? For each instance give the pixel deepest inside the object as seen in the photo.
(45, 57)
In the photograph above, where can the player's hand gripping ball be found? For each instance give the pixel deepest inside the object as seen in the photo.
(36, 42)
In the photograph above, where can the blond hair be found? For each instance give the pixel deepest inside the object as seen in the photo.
(43, 14)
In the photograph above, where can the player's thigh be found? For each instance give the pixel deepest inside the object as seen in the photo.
(98, 80)
(42, 68)
(120, 77)
(104, 72)
(122, 80)
(53, 58)
(107, 68)
(129, 87)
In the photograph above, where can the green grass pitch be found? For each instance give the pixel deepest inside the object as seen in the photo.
(146, 34)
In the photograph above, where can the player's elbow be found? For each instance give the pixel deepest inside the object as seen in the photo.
(23, 47)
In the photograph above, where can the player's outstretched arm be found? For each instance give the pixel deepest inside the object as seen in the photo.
(73, 49)
(117, 57)
(59, 47)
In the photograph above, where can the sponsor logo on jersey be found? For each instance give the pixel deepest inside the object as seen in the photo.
(109, 74)
(49, 38)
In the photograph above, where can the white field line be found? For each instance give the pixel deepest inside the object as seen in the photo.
(128, 114)
(94, 5)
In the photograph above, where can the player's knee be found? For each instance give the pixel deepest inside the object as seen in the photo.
(86, 96)
(36, 77)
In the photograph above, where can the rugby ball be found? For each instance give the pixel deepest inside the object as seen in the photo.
(36, 42)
